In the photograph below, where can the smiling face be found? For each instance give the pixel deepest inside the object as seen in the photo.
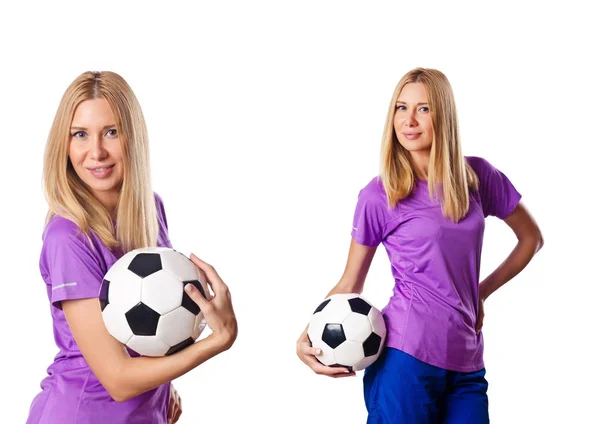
(412, 120)
(95, 150)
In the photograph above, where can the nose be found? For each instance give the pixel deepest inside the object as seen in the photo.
(411, 121)
(97, 150)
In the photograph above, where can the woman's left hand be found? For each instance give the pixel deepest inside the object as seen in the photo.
(480, 315)
(174, 406)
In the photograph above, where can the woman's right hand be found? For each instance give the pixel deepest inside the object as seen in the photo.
(308, 355)
(218, 311)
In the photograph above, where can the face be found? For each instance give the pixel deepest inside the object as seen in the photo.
(95, 150)
(412, 120)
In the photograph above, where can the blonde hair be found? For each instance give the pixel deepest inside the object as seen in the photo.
(69, 197)
(446, 164)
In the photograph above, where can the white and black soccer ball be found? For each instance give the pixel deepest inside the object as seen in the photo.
(144, 305)
(349, 331)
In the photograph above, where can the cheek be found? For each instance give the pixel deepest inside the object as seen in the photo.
(398, 121)
(74, 155)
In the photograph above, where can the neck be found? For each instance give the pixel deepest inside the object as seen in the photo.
(420, 163)
(109, 200)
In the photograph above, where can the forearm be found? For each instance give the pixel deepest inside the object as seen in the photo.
(138, 375)
(513, 265)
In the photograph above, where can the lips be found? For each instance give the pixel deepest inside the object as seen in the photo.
(101, 171)
(411, 135)
(101, 168)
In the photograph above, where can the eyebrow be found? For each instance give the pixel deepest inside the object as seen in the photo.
(418, 104)
(84, 128)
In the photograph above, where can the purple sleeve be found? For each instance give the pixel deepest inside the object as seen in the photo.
(163, 228)
(69, 263)
(498, 195)
(370, 215)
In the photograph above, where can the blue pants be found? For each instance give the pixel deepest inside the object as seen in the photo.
(400, 389)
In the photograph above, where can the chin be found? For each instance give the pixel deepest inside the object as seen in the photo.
(415, 149)
(104, 186)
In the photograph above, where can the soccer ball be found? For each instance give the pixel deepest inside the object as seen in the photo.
(349, 331)
(144, 305)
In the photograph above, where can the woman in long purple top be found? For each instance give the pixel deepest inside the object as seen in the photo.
(101, 205)
(427, 208)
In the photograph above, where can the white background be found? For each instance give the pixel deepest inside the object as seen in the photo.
(265, 121)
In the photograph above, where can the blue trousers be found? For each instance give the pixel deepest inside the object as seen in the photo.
(400, 389)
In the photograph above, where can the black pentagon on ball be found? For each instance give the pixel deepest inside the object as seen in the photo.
(187, 301)
(145, 264)
(179, 346)
(333, 335)
(359, 306)
(103, 295)
(321, 306)
(371, 345)
(142, 319)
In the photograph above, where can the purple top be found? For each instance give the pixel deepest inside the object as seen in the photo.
(435, 263)
(72, 269)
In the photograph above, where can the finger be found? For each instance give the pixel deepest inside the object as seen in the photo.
(308, 350)
(196, 296)
(170, 413)
(215, 281)
(319, 368)
(176, 418)
(350, 374)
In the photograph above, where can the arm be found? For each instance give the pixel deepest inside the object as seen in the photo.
(352, 281)
(125, 377)
(357, 266)
(530, 241)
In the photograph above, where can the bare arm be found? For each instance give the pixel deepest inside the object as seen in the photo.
(530, 241)
(352, 281)
(125, 377)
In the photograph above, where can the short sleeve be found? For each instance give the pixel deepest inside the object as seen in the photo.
(163, 228)
(370, 214)
(68, 263)
(499, 197)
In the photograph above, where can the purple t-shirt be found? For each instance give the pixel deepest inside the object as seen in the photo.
(71, 393)
(435, 263)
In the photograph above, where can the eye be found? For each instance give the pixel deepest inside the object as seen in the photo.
(424, 108)
(78, 134)
(400, 107)
(112, 132)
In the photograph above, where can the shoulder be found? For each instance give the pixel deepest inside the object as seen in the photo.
(60, 229)
(160, 206)
(479, 165)
(62, 238)
(374, 190)
(158, 199)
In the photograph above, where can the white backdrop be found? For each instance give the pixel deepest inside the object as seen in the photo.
(265, 120)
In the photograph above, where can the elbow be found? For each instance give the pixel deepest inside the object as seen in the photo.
(118, 389)
(539, 240)
(534, 241)
(118, 394)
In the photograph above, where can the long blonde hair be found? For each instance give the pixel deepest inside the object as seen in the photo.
(69, 197)
(446, 164)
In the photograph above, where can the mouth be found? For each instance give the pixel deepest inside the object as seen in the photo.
(101, 171)
(100, 168)
(411, 135)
